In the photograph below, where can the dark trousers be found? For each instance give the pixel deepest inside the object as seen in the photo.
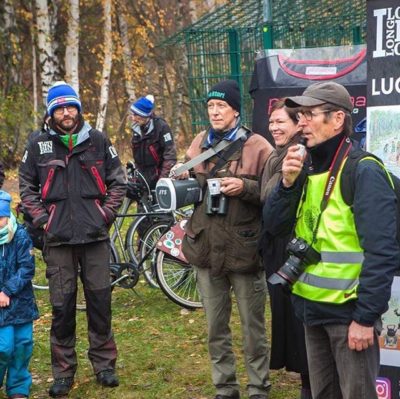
(336, 372)
(63, 264)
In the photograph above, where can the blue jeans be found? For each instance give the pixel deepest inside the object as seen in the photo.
(16, 343)
(336, 372)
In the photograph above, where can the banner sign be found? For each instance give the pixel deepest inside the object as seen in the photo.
(282, 72)
(383, 139)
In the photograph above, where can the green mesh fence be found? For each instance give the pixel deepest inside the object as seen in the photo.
(223, 44)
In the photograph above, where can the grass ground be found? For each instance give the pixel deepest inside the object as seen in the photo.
(162, 351)
(162, 348)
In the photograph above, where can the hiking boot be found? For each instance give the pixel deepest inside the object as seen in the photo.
(107, 378)
(234, 396)
(17, 396)
(61, 386)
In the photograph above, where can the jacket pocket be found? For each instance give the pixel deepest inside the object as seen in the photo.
(52, 180)
(92, 178)
(93, 220)
(53, 274)
(196, 249)
(241, 250)
(58, 227)
(101, 210)
(52, 210)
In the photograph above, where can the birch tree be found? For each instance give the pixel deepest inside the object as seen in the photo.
(107, 64)
(44, 42)
(54, 7)
(72, 47)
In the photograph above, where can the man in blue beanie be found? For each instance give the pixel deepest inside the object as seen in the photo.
(71, 185)
(153, 145)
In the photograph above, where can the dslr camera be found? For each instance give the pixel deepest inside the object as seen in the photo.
(300, 256)
(216, 202)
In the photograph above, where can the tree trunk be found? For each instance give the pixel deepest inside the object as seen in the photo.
(105, 78)
(34, 80)
(126, 50)
(72, 47)
(12, 45)
(46, 56)
(54, 6)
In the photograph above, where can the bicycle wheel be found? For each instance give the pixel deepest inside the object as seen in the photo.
(132, 239)
(149, 250)
(177, 280)
(39, 281)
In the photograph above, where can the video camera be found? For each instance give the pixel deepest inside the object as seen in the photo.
(174, 194)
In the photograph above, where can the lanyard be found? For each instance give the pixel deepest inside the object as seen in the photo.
(334, 168)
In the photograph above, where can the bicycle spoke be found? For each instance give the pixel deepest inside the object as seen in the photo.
(178, 281)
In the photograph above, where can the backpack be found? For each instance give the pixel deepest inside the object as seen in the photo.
(347, 181)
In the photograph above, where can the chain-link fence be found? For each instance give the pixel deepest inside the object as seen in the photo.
(223, 44)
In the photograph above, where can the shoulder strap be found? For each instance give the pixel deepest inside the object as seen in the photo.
(223, 156)
(347, 181)
(242, 132)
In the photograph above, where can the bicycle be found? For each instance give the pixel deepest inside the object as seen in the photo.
(150, 213)
(175, 276)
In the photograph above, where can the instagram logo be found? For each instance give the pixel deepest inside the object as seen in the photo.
(383, 388)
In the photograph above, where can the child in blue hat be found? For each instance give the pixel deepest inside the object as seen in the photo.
(17, 303)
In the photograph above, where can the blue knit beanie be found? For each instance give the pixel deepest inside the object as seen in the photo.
(62, 94)
(5, 204)
(144, 106)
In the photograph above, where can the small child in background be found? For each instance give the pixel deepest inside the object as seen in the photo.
(17, 303)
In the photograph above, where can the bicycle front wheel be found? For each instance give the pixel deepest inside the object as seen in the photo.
(177, 280)
(148, 252)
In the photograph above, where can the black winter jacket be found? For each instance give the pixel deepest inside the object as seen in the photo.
(76, 193)
(375, 212)
(153, 149)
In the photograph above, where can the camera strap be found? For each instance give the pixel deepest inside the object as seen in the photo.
(241, 134)
(223, 156)
(341, 154)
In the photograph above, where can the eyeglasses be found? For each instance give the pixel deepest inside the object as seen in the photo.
(308, 115)
(60, 110)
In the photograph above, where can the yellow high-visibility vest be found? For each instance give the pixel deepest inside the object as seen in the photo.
(335, 278)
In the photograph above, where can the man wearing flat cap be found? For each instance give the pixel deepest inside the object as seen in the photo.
(340, 295)
(221, 241)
